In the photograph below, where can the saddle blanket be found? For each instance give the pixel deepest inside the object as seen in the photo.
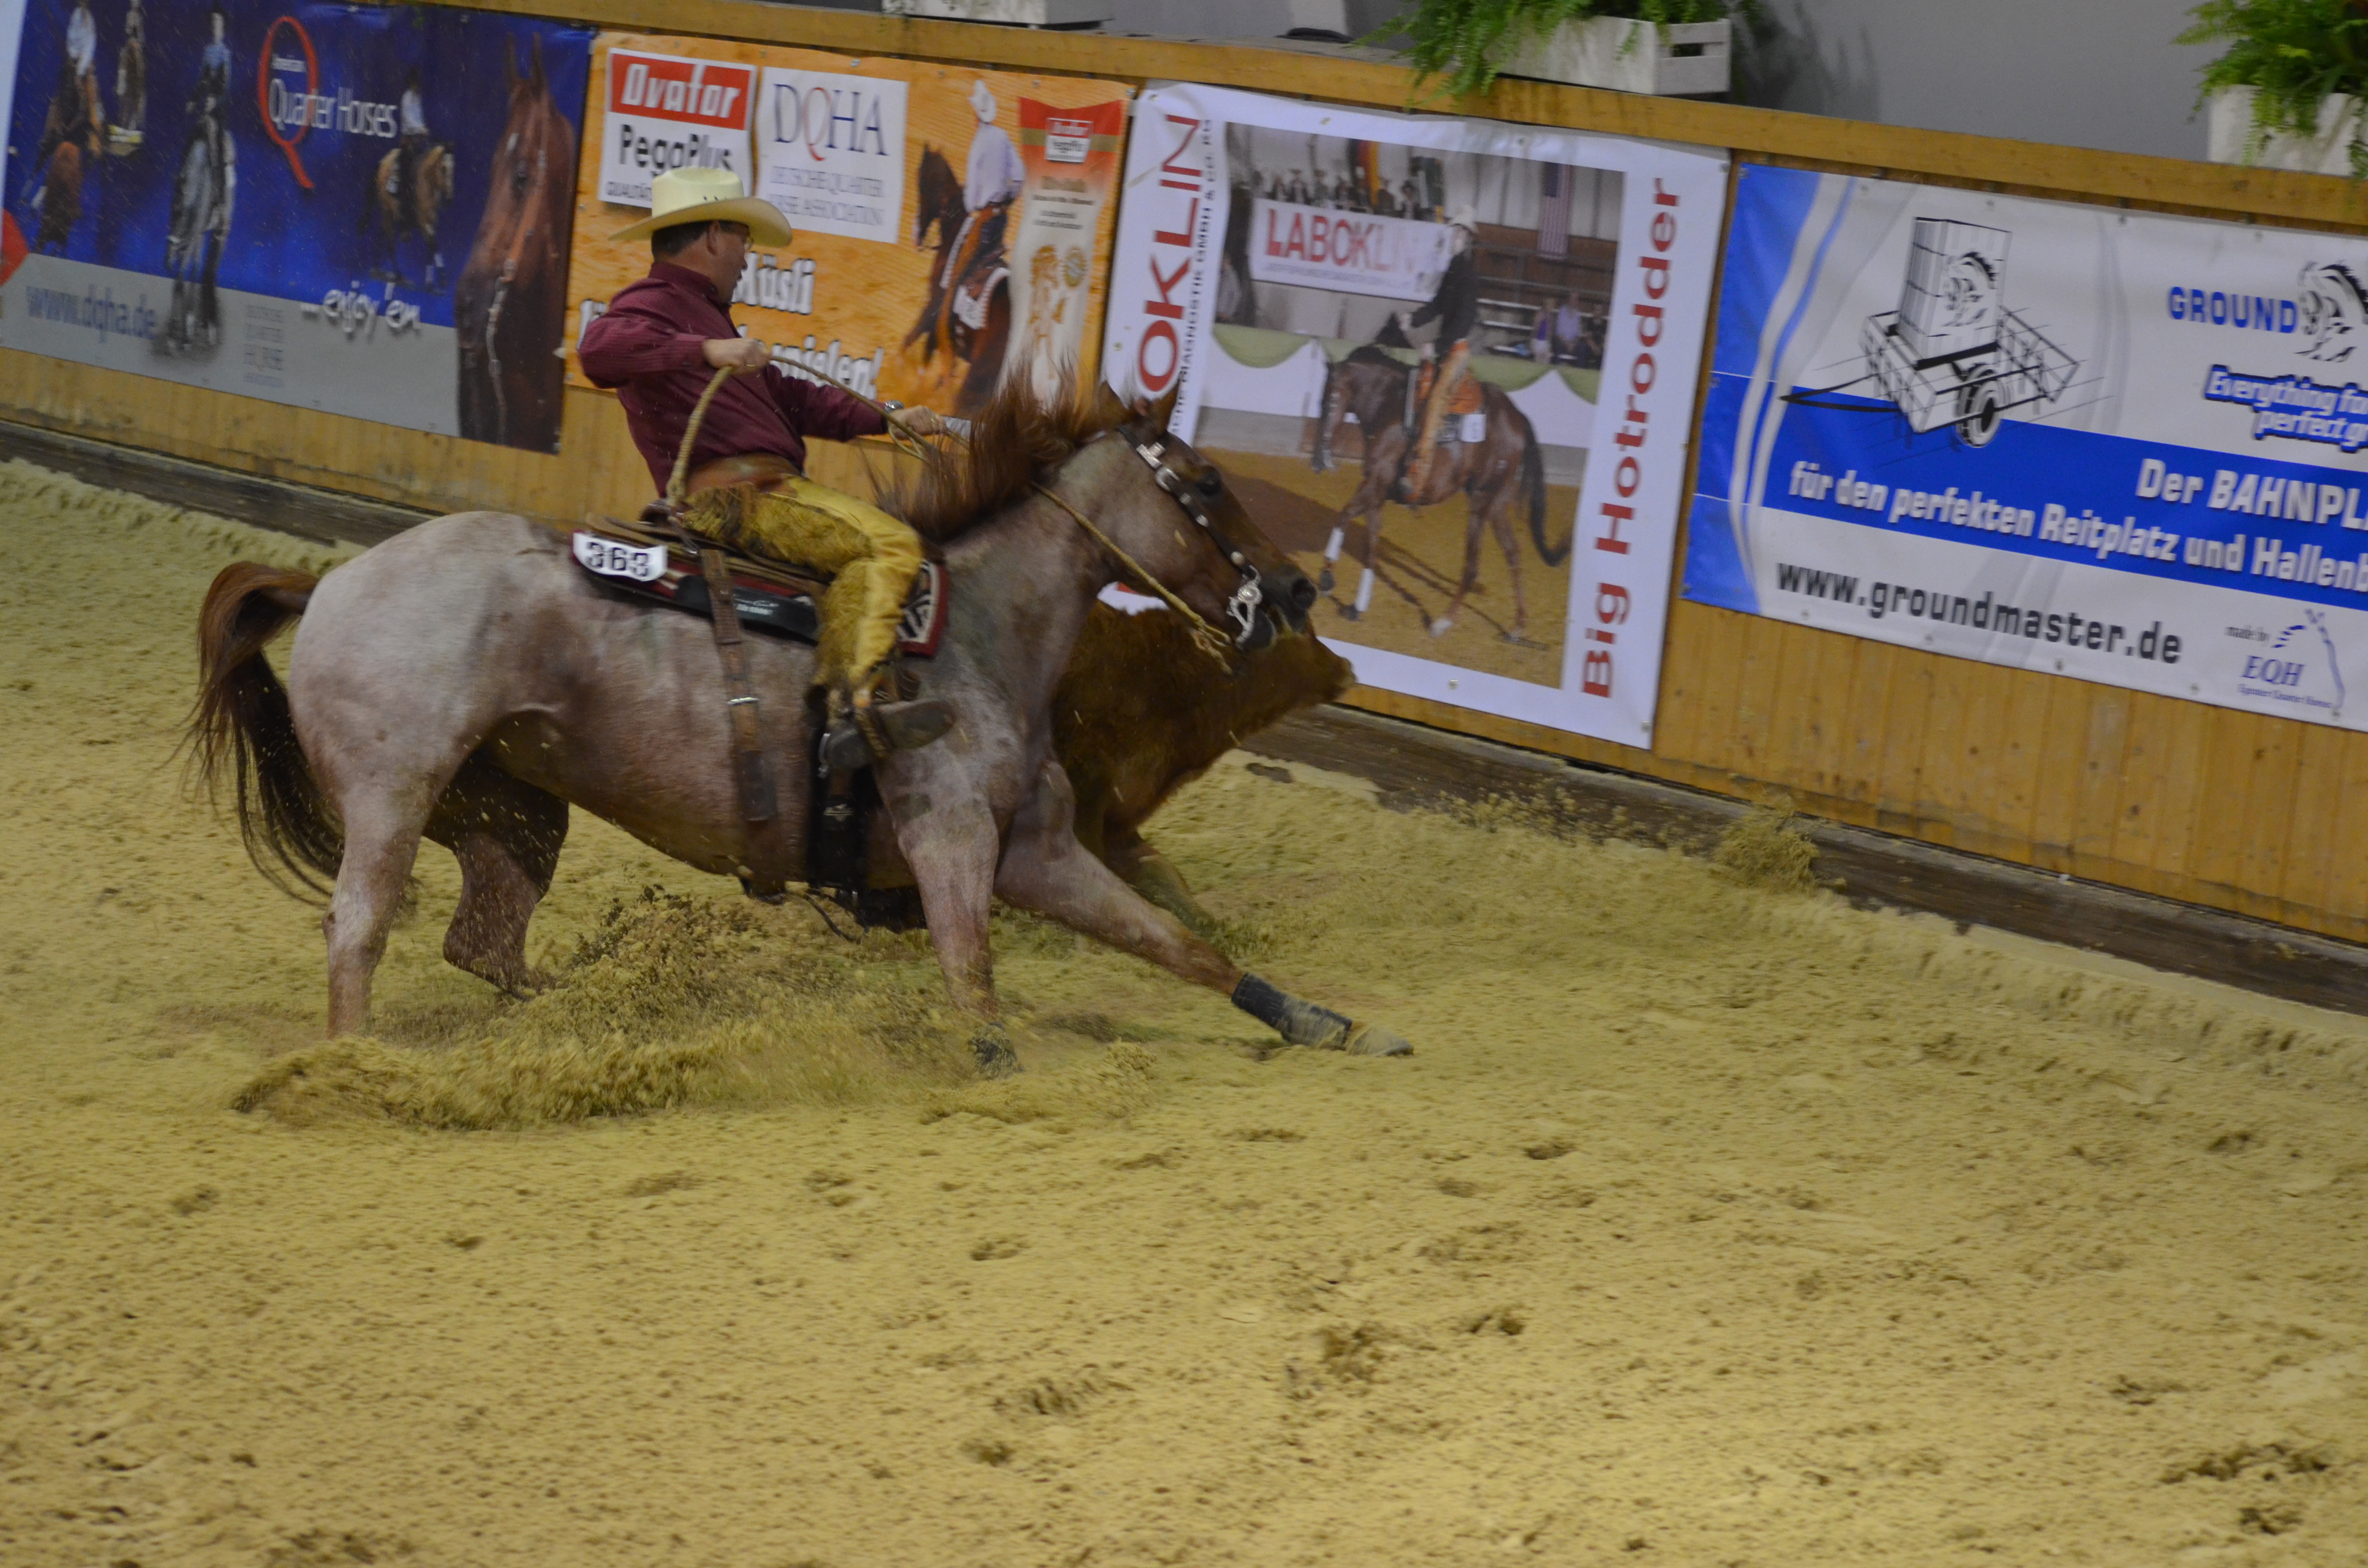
(769, 596)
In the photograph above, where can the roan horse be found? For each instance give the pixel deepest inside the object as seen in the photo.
(390, 214)
(465, 682)
(1490, 472)
(982, 343)
(511, 305)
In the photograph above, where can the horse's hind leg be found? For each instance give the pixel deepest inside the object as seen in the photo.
(382, 841)
(506, 834)
(1509, 541)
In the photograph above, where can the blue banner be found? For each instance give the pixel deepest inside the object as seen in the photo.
(363, 210)
(2071, 439)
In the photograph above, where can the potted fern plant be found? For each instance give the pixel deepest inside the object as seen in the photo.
(2287, 94)
(1635, 46)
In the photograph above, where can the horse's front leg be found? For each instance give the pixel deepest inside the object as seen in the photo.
(1045, 869)
(952, 849)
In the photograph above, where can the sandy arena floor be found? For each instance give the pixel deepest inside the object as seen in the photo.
(1712, 1224)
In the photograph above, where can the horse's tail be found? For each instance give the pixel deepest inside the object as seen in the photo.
(242, 733)
(1533, 481)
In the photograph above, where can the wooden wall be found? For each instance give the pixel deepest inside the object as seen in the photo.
(2262, 816)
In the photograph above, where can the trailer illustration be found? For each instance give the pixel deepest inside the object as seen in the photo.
(1953, 353)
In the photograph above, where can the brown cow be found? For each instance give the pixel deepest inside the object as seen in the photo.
(1138, 715)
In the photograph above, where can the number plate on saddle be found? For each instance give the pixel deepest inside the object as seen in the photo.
(770, 596)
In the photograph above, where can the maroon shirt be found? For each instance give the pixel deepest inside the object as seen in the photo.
(648, 347)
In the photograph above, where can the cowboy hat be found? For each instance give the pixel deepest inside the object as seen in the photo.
(982, 101)
(707, 196)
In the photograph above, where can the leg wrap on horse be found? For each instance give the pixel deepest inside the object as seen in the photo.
(871, 558)
(1304, 1023)
(1301, 1023)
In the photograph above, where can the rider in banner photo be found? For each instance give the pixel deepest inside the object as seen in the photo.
(991, 178)
(210, 101)
(1455, 306)
(411, 137)
(659, 343)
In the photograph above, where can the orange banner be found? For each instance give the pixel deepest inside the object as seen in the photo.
(952, 226)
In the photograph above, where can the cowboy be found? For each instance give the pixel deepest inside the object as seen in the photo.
(75, 112)
(662, 340)
(411, 130)
(209, 97)
(131, 71)
(1455, 306)
(991, 179)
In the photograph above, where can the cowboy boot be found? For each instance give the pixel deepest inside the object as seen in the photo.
(866, 732)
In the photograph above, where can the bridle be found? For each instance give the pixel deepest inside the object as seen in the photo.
(1242, 607)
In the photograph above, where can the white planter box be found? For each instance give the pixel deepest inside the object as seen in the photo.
(1599, 53)
(2229, 122)
(1022, 13)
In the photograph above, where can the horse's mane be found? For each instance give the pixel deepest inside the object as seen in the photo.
(1013, 441)
(1372, 354)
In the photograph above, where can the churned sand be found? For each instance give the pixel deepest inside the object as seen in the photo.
(1712, 1223)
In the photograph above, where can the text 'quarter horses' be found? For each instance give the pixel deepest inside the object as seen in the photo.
(464, 682)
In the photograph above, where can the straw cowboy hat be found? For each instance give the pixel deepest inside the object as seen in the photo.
(707, 196)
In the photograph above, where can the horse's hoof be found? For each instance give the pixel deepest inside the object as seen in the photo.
(1372, 1039)
(991, 1046)
(1323, 579)
(1351, 612)
(1442, 627)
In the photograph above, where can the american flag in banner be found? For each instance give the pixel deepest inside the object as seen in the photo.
(1554, 210)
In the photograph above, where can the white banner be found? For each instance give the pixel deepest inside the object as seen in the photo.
(2061, 437)
(1392, 257)
(669, 112)
(1562, 454)
(831, 152)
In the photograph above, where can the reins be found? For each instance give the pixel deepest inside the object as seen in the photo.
(1206, 637)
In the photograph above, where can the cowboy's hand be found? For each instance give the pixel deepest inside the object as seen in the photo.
(920, 421)
(745, 354)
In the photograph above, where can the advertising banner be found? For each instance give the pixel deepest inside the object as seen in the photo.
(1449, 364)
(952, 225)
(361, 209)
(2061, 437)
(666, 112)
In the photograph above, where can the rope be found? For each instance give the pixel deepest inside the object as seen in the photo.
(678, 483)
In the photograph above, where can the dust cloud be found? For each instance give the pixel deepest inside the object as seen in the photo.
(1711, 1223)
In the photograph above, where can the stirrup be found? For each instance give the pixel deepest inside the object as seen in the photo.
(880, 729)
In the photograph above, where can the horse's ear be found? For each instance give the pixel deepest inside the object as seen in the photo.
(541, 82)
(1160, 412)
(1110, 410)
(509, 69)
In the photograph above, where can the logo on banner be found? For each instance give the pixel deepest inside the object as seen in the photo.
(292, 57)
(668, 112)
(831, 152)
(2297, 664)
(288, 93)
(1358, 253)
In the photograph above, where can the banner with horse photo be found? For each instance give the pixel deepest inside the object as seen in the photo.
(1449, 364)
(358, 209)
(952, 226)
